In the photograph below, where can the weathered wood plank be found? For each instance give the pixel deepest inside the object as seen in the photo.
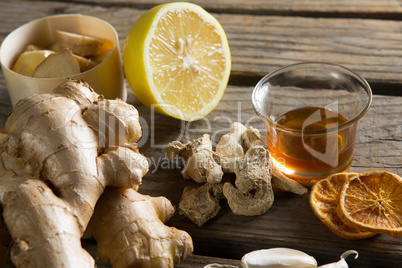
(369, 47)
(201, 261)
(339, 8)
(260, 44)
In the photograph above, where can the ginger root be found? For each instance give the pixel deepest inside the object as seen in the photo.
(200, 163)
(200, 204)
(251, 137)
(252, 194)
(229, 148)
(58, 154)
(133, 235)
(285, 183)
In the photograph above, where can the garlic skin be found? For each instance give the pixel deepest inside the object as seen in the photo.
(278, 258)
(342, 262)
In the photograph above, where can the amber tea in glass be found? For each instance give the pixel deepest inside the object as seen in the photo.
(309, 148)
(311, 111)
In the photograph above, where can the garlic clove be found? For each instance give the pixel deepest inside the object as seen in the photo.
(277, 258)
(342, 262)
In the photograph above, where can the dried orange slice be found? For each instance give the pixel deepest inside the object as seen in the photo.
(324, 198)
(372, 202)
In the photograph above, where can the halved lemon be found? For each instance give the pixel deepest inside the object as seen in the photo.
(177, 60)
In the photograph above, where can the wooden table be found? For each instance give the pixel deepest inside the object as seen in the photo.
(364, 35)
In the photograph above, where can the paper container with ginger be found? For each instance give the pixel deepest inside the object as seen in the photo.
(105, 78)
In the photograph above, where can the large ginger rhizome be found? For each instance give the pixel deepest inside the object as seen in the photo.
(59, 153)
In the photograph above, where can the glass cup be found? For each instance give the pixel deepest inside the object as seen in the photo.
(311, 111)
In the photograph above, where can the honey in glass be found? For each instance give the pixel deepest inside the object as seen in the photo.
(309, 143)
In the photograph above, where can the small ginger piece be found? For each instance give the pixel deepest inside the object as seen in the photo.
(200, 163)
(229, 148)
(29, 60)
(252, 194)
(85, 63)
(285, 183)
(129, 230)
(251, 137)
(79, 44)
(201, 204)
(58, 64)
(229, 144)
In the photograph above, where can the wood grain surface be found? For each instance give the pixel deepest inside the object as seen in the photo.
(264, 35)
(339, 8)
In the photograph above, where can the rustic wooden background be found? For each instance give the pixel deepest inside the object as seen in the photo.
(364, 35)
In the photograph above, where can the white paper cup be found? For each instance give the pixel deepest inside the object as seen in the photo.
(106, 78)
